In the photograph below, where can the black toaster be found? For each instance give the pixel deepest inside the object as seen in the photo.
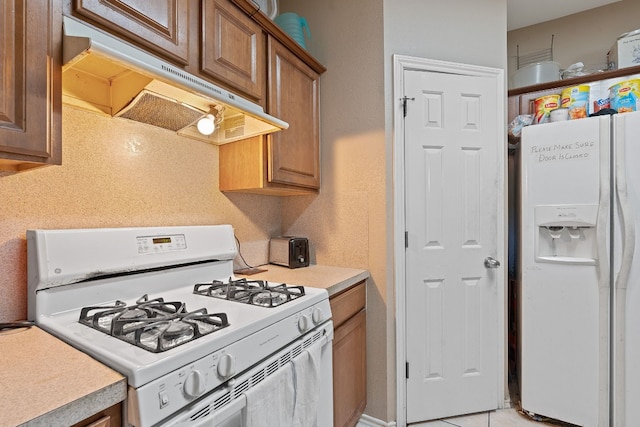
(289, 251)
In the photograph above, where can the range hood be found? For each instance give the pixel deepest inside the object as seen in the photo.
(108, 76)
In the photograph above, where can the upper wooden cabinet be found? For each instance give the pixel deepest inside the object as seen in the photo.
(286, 162)
(293, 96)
(253, 11)
(244, 167)
(233, 49)
(31, 97)
(161, 26)
(231, 43)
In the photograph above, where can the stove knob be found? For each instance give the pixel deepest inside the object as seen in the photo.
(226, 366)
(317, 316)
(194, 385)
(303, 323)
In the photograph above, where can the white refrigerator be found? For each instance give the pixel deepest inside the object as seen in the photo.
(579, 272)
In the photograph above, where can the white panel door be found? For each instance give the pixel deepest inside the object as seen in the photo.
(453, 180)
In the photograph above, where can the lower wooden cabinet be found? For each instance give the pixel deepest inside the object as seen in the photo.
(110, 417)
(349, 355)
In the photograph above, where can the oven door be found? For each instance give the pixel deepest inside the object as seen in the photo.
(224, 407)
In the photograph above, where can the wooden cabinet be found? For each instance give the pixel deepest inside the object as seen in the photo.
(31, 96)
(232, 44)
(286, 162)
(160, 26)
(294, 153)
(233, 49)
(349, 355)
(110, 417)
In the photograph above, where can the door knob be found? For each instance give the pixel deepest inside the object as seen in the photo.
(490, 262)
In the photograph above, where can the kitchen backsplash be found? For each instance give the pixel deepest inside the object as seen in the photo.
(117, 173)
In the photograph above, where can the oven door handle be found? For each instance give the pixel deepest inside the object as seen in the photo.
(217, 417)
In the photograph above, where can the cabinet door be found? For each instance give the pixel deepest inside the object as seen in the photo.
(233, 48)
(347, 304)
(349, 371)
(30, 97)
(293, 88)
(243, 169)
(161, 26)
(110, 417)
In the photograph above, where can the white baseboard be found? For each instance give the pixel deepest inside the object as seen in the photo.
(367, 421)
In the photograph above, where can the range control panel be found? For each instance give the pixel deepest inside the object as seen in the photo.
(155, 244)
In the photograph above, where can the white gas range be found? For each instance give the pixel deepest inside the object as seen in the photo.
(161, 306)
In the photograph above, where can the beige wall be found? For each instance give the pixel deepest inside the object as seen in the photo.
(346, 223)
(350, 222)
(117, 173)
(584, 37)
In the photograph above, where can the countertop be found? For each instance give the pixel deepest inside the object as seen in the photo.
(46, 382)
(333, 279)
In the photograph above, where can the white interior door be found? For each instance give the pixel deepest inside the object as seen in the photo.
(454, 172)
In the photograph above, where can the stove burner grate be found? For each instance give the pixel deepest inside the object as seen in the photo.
(154, 325)
(253, 292)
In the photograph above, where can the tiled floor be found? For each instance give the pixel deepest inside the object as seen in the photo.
(501, 418)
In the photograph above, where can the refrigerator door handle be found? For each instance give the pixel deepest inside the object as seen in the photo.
(627, 223)
(603, 215)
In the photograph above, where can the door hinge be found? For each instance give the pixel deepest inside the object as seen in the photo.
(404, 100)
(406, 239)
(407, 370)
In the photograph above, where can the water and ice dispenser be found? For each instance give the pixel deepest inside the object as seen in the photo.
(566, 234)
